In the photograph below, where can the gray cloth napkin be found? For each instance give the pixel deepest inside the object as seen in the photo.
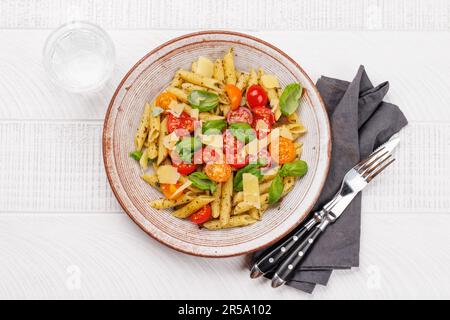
(360, 122)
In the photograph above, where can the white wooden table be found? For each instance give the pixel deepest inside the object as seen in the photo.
(63, 234)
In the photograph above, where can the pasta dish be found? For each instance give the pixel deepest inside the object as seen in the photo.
(221, 144)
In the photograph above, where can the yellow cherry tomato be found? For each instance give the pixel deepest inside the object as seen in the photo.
(282, 151)
(218, 172)
(235, 95)
(169, 189)
(164, 100)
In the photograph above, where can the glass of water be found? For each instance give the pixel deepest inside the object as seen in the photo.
(79, 56)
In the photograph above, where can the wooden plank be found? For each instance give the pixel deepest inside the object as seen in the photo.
(231, 14)
(101, 256)
(57, 166)
(417, 80)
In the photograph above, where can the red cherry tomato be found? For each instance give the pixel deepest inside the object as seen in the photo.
(263, 113)
(256, 96)
(202, 215)
(266, 115)
(185, 168)
(184, 121)
(182, 167)
(241, 114)
(211, 155)
(238, 162)
(232, 149)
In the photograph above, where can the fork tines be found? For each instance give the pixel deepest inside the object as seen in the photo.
(374, 164)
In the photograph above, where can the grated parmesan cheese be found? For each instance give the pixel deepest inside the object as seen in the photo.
(167, 174)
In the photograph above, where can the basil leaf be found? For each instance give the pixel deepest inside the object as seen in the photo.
(296, 168)
(136, 155)
(276, 189)
(242, 131)
(203, 100)
(201, 181)
(290, 98)
(186, 148)
(250, 168)
(213, 126)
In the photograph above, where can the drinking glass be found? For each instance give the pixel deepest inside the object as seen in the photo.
(79, 56)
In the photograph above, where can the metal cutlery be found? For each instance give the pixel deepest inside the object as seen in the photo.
(284, 258)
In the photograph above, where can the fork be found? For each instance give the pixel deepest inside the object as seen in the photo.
(292, 251)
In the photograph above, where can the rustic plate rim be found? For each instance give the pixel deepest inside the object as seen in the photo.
(120, 86)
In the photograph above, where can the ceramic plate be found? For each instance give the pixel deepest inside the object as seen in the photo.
(151, 75)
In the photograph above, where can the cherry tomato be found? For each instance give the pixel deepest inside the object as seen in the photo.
(169, 189)
(202, 215)
(212, 155)
(263, 113)
(239, 161)
(282, 151)
(235, 95)
(232, 148)
(184, 121)
(256, 96)
(185, 168)
(218, 172)
(241, 114)
(164, 100)
(266, 115)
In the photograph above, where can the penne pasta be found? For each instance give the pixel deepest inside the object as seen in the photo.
(151, 179)
(152, 151)
(270, 175)
(293, 118)
(177, 80)
(242, 81)
(162, 150)
(193, 206)
(253, 78)
(274, 103)
(288, 183)
(218, 71)
(272, 95)
(263, 209)
(143, 128)
(179, 93)
(155, 126)
(244, 206)
(170, 203)
(225, 109)
(215, 205)
(296, 129)
(298, 146)
(188, 87)
(254, 213)
(230, 70)
(236, 221)
(225, 201)
(207, 116)
(194, 78)
(143, 162)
